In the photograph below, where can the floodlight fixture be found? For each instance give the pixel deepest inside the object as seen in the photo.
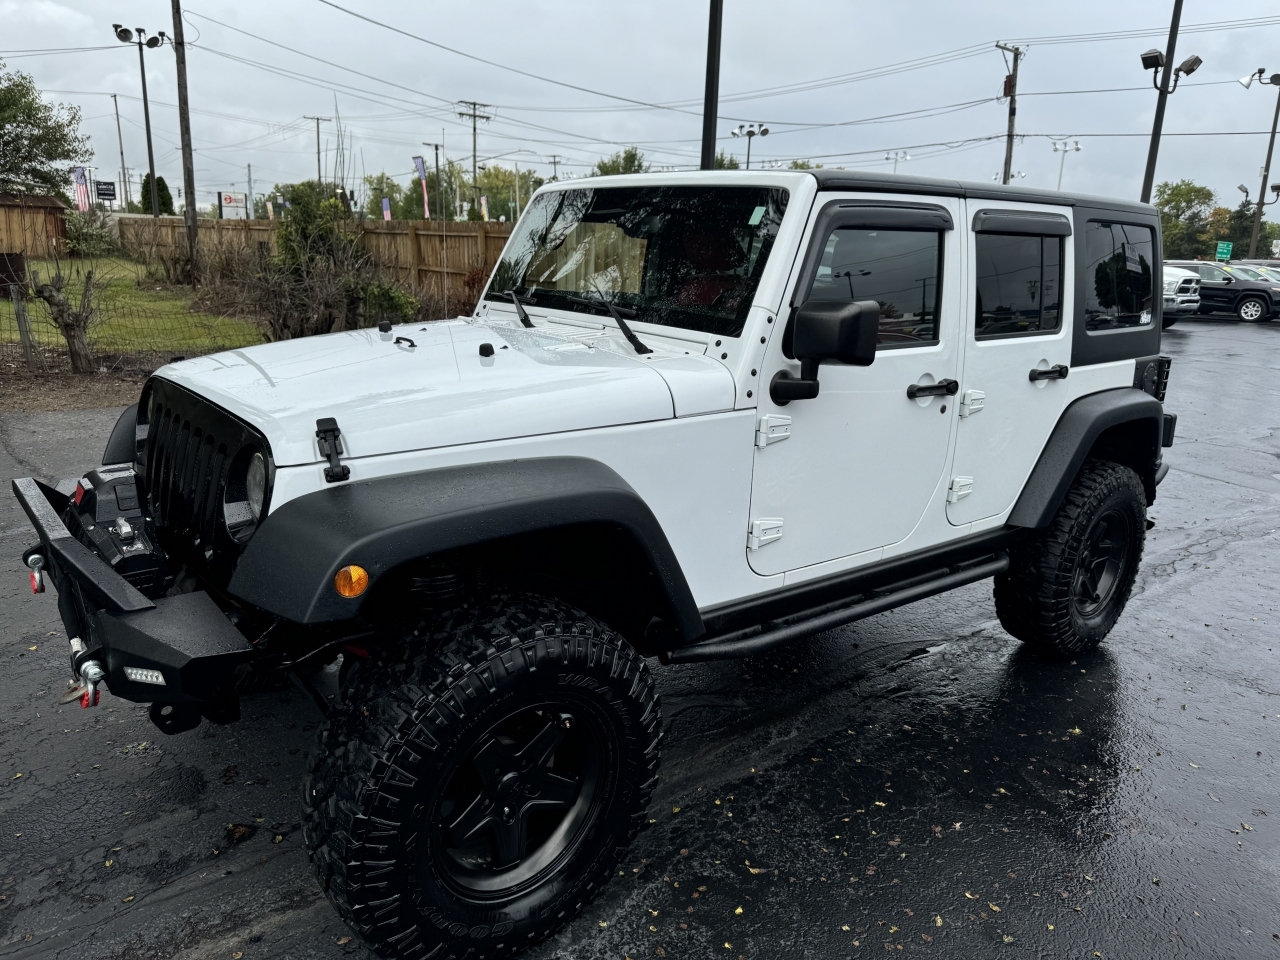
(1153, 59)
(1247, 82)
(123, 34)
(1243, 189)
(1190, 65)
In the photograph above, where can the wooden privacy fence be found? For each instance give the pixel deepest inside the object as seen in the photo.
(432, 256)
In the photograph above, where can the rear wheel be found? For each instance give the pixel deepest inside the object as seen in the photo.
(1066, 588)
(1252, 309)
(472, 800)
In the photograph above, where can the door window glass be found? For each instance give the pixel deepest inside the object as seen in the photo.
(1019, 285)
(899, 269)
(1209, 272)
(1117, 276)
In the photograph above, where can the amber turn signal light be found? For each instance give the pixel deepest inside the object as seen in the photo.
(351, 581)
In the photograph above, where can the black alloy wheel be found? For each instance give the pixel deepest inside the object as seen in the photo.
(521, 802)
(1103, 558)
(481, 779)
(1067, 585)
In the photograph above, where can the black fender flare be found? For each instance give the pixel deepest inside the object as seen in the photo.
(1078, 429)
(288, 566)
(122, 444)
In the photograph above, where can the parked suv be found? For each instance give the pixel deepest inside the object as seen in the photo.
(1181, 294)
(1234, 289)
(693, 417)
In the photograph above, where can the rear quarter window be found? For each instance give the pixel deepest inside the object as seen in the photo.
(1118, 276)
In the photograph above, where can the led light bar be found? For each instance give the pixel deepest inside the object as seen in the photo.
(143, 675)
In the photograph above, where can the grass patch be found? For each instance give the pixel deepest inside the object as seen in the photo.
(136, 315)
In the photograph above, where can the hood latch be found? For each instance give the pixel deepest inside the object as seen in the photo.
(329, 438)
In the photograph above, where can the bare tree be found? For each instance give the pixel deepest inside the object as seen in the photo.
(72, 323)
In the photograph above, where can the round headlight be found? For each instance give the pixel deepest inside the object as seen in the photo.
(255, 483)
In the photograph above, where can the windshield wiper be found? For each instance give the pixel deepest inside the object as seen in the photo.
(515, 298)
(616, 313)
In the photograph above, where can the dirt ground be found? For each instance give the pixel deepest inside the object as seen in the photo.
(22, 391)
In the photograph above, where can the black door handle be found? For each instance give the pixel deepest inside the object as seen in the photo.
(943, 388)
(1058, 371)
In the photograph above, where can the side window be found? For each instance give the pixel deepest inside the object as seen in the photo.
(899, 269)
(1209, 272)
(1117, 276)
(1019, 288)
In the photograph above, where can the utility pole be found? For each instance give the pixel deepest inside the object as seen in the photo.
(124, 175)
(555, 160)
(1266, 172)
(711, 103)
(1011, 91)
(473, 114)
(318, 120)
(184, 129)
(517, 213)
(248, 200)
(1154, 149)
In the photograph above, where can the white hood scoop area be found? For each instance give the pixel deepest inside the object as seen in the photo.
(435, 387)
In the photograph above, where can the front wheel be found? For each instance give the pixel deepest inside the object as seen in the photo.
(1252, 309)
(1066, 587)
(471, 801)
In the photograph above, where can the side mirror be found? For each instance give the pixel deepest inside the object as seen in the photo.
(831, 330)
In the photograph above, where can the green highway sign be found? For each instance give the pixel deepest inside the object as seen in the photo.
(1224, 250)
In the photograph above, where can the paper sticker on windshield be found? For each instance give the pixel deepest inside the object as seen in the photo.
(1132, 260)
(756, 215)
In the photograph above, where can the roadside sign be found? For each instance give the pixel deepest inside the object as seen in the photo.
(105, 190)
(1224, 250)
(233, 206)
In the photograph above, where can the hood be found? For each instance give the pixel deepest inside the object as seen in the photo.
(434, 389)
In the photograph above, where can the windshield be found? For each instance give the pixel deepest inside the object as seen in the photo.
(686, 257)
(1245, 272)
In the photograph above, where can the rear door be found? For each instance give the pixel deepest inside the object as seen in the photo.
(1017, 347)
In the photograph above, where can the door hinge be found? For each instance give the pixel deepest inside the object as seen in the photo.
(972, 402)
(764, 530)
(329, 440)
(772, 428)
(960, 488)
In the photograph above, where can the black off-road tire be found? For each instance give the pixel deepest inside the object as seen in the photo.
(375, 799)
(1066, 587)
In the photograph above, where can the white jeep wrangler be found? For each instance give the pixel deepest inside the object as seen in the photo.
(694, 416)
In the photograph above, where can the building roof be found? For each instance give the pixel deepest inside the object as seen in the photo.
(30, 200)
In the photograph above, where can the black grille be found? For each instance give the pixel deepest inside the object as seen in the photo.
(190, 447)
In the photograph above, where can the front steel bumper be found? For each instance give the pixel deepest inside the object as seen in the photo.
(183, 645)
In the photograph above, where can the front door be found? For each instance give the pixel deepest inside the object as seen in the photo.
(1017, 353)
(1216, 295)
(854, 469)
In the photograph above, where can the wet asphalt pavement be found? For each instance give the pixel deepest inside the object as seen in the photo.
(914, 782)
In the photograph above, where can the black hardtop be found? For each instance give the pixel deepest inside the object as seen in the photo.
(894, 183)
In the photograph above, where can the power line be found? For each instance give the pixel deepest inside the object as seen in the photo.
(494, 63)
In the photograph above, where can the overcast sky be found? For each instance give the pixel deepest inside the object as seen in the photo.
(248, 97)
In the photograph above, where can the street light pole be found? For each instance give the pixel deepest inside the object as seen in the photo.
(1154, 149)
(711, 100)
(1273, 80)
(137, 35)
(318, 120)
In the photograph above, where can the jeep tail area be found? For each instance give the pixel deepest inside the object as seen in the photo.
(693, 417)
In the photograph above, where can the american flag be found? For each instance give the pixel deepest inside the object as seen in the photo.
(82, 189)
